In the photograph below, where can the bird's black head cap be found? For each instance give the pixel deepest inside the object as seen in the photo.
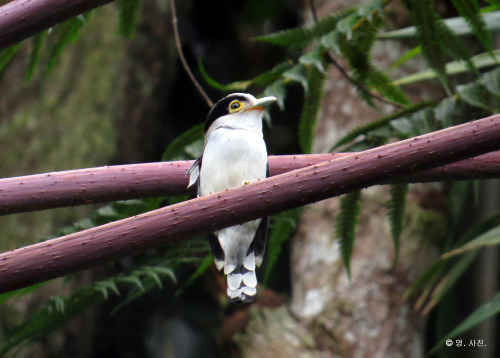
(221, 108)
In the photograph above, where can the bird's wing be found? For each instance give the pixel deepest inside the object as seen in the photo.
(258, 245)
(194, 172)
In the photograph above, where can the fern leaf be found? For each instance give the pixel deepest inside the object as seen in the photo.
(283, 225)
(7, 54)
(176, 148)
(312, 103)
(383, 84)
(469, 10)
(68, 32)
(301, 36)
(444, 112)
(474, 94)
(129, 10)
(426, 22)
(408, 55)
(313, 58)
(36, 49)
(263, 79)
(346, 225)
(278, 90)
(454, 46)
(396, 210)
(371, 9)
(367, 128)
(491, 81)
(297, 74)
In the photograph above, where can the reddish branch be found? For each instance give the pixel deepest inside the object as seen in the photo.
(21, 19)
(61, 256)
(111, 183)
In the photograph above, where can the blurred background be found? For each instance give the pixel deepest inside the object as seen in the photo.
(108, 99)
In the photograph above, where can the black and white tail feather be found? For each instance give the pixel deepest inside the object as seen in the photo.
(235, 154)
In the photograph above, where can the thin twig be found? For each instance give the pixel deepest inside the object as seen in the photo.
(183, 59)
(344, 73)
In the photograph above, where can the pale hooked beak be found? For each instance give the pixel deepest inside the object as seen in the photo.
(262, 103)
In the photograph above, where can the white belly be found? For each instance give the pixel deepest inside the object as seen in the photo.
(232, 157)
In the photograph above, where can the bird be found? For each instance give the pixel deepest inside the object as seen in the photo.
(235, 154)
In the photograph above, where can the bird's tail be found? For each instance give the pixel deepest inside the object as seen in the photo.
(241, 284)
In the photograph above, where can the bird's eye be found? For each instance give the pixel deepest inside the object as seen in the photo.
(235, 106)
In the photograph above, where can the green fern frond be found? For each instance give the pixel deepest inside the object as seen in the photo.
(297, 73)
(67, 32)
(129, 10)
(264, 79)
(491, 81)
(372, 9)
(7, 54)
(425, 20)
(408, 55)
(469, 10)
(283, 225)
(302, 36)
(346, 225)
(36, 49)
(367, 128)
(444, 112)
(395, 212)
(176, 148)
(454, 46)
(383, 84)
(59, 309)
(474, 94)
(312, 104)
(277, 89)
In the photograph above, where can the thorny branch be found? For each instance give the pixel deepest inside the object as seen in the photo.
(67, 254)
(136, 181)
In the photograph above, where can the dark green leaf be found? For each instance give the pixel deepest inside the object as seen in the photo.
(312, 103)
(346, 225)
(36, 49)
(382, 83)
(395, 211)
(367, 128)
(282, 227)
(301, 36)
(425, 19)
(66, 32)
(129, 10)
(6, 55)
(176, 148)
(469, 10)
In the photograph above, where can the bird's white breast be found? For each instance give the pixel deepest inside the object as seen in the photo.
(231, 157)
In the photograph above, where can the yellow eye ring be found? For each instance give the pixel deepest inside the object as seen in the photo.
(235, 106)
